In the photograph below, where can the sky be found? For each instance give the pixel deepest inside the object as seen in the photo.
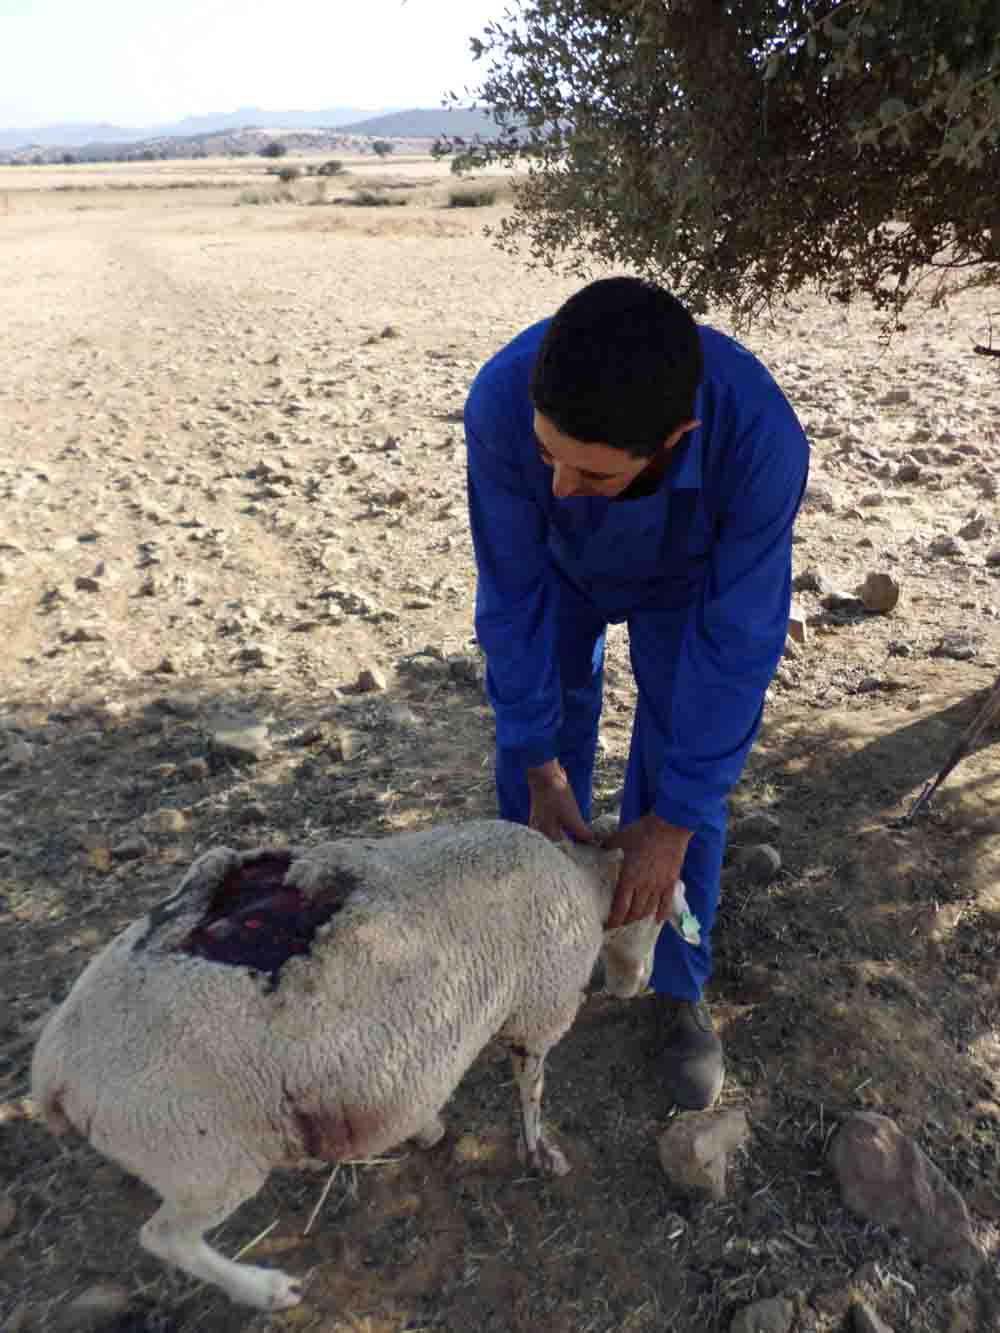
(148, 62)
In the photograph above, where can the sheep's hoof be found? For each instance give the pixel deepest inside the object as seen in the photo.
(546, 1160)
(431, 1134)
(285, 1292)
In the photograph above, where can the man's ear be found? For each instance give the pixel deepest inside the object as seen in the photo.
(676, 436)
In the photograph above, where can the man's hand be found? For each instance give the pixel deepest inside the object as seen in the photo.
(654, 854)
(554, 810)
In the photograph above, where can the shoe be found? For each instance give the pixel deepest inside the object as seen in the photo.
(689, 1052)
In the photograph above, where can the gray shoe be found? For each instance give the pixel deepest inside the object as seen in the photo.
(689, 1052)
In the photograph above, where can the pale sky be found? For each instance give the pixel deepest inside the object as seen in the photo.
(147, 62)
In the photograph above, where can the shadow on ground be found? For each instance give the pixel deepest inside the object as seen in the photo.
(864, 976)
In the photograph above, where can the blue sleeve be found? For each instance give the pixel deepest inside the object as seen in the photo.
(736, 634)
(515, 591)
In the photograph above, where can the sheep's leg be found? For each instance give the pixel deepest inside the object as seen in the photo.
(175, 1234)
(430, 1134)
(533, 1147)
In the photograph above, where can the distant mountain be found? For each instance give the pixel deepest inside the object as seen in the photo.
(418, 124)
(76, 134)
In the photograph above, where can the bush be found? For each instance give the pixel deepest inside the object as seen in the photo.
(378, 199)
(383, 147)
(288, 174)
(332, 168)
(481, 197)
(274, 149)
(275, 196)
(744, 151)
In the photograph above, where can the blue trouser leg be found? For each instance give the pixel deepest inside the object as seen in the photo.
(581, 670)
(679, 969)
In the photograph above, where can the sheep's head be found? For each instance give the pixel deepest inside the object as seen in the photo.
(628, 957)
(627, 953)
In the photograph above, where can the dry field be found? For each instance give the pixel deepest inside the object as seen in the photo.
(231, 479)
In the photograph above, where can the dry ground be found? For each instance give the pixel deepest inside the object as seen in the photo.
(231, 477)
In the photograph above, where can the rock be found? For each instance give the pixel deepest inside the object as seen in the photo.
(885, 1177)
(872, 500)
(791, 649)
(947, 545)
(758, 826)
(85, 583)
(130, 849)
(760, 865)
(179, 705)
(370, 680)
(974, 528)
(166, 820)
(959, 647)
(254, 656)
(819, 497)
(776, 1314)
(865, 1320)
(195, 770)
(899, 648)
(880, 593)
(994, 556)
(812, 580)
(797, 624)
(244, 740)
(8, 1213)
(908, 470)
(694, 1150)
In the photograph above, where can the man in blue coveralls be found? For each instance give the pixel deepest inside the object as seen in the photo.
(628, 465)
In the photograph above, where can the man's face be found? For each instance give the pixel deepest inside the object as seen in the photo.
(592, 469)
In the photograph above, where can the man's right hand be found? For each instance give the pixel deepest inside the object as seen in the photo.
(554, 810)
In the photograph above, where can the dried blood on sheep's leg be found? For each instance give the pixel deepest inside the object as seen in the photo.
(534, 1148)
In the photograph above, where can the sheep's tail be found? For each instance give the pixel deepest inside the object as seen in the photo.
(48, 1092)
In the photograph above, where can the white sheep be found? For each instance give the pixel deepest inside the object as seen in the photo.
(199, 1077)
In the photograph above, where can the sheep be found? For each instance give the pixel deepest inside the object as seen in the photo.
(199, 1076)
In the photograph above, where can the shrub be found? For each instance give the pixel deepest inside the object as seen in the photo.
(332, 168)
(288, 174)
(473, 197)
(378, 199)
(383, 147)
(274, 149)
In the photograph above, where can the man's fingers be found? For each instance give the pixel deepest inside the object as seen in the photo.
(621, 906)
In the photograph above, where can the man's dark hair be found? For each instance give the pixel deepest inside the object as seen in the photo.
(619, 365)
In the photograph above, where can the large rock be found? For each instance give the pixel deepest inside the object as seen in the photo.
(879, 592)
(695, 1148)
(774, 1315)
(885, 1177)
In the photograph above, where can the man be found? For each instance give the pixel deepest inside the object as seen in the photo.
(628, 465)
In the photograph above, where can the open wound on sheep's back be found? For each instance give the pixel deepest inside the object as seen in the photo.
(255, 920)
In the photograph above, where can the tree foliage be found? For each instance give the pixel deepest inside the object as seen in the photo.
(742, 149)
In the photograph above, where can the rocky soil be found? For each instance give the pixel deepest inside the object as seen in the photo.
(236, 601)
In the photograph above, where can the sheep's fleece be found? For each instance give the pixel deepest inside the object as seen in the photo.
(199, 1077)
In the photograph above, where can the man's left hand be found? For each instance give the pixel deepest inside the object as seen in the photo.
(654, 854)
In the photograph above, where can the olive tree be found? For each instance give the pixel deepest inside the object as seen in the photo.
(742, 150)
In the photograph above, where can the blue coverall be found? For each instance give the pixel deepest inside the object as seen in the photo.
(701, 572)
